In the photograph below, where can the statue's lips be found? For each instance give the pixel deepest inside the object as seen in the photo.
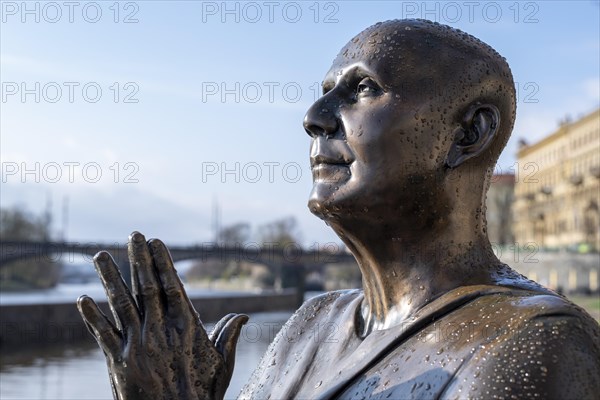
(330, 172)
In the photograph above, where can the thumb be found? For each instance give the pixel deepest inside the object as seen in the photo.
(226, 342)
(216, 331)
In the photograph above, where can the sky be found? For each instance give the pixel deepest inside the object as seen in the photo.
(142, 115)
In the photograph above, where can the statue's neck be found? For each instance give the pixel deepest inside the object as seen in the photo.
(401, 276)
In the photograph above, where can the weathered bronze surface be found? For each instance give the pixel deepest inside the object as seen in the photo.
(404, 140)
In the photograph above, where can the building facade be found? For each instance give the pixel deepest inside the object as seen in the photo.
(557, 188)
(499, 201)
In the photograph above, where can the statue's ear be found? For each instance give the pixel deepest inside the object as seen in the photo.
(478, 128)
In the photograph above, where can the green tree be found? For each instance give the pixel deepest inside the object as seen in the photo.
(17, 224)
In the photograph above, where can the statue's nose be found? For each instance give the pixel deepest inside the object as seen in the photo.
(320, 120)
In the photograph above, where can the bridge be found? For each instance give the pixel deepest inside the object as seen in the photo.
(252, 252)
(54, 322)
(275, 258)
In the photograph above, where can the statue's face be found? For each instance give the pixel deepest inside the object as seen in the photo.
(378, 137)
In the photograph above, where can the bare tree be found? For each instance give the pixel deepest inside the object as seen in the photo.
(234, 235)
(280, 233)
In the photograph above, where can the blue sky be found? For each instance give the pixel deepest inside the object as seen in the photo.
(180, 103)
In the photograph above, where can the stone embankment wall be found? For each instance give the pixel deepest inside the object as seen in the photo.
(59, 323)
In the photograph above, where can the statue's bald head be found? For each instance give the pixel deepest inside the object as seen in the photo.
(419, 114)
(445, 68)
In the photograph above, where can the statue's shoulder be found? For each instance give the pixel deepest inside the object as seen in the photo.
(519, 307)
(322, 303)
(537, 342)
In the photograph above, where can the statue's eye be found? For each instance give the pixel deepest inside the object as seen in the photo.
(367, 87)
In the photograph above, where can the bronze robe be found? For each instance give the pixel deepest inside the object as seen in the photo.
(472, 342)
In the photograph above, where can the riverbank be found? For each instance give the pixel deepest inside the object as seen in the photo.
(51, 316)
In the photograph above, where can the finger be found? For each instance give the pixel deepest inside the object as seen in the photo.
(121, 303)
(100, 327)
(178, 304)
(228, 339)
(144, 283)
(214, 335)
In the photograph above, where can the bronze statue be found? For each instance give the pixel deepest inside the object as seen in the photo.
(412, 120)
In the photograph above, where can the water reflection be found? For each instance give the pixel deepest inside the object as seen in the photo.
(57, 372)
(78, 371)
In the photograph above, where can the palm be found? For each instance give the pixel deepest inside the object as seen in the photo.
(158, 347)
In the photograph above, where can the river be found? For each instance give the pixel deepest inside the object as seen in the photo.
(78, 371)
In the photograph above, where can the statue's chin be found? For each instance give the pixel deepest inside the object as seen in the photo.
(317, 207)
(326, 206)
(332, 201)
(323, 201)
